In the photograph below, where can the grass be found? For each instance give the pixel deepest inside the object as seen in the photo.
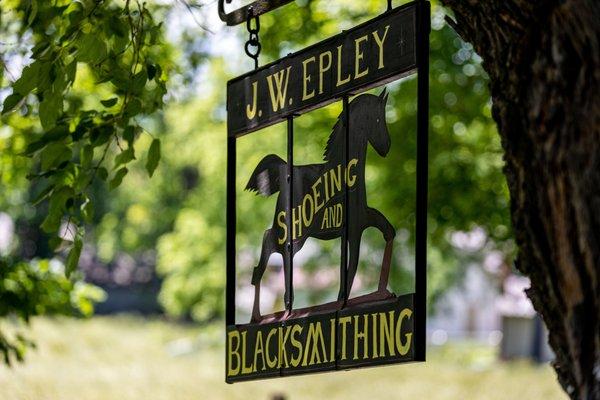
(128, 358)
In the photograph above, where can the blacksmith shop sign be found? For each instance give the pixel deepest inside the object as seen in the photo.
(327, 200)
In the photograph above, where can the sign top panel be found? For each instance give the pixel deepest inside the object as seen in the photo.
(371, 54)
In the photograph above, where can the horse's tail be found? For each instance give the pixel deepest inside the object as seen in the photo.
(265, 178)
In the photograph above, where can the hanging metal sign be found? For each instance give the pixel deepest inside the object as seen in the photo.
(328, 201)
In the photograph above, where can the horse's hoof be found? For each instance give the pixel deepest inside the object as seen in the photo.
(384, 293)
(255, 319)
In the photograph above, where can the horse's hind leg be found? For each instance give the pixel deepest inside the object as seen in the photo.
(268, 246)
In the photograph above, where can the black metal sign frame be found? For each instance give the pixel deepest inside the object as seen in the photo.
(407, 313)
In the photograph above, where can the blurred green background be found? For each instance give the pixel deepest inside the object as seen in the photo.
(157, 246)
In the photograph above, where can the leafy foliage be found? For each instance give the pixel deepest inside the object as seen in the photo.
(91, 70)
(115, 45)
(38, 288)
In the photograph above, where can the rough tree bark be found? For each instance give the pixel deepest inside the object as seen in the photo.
(543, 60)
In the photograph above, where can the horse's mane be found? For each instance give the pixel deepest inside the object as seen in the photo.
(336, 138)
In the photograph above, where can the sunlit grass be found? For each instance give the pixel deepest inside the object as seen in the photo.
(127, 358)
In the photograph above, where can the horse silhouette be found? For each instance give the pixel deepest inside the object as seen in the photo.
(318, 194)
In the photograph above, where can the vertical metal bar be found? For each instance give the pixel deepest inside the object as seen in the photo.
(423, 24)
(231, 227)
(344, 251)
(290, 224)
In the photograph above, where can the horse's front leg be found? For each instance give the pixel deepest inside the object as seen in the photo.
(376, 219)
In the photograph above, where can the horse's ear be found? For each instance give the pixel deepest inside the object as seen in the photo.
(384, 96)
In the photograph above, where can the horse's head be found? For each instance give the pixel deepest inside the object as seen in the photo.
(369, 114)
(379, 137)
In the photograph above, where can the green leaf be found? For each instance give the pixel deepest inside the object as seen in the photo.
(46, 75)
(58, 200)
(39, 50)
(50, 108)
(151, 71)
(139, 81)
(55, 134)
(129, 134)
(73, 257)
(110, 102)
(102, 173)
(28, 80)
(43, 195)
(153, 157)
(11, 102)
(32, 12)
(86, 156)
(71, 71)
(133, 108)
(118, 26)
(125, 156)
(101, 134)
(117, 179)
(90, 48)
(54, 154)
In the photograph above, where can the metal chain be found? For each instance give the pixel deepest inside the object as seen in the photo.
(253, 40)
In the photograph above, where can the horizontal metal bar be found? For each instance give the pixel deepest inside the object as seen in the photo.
(253, 9)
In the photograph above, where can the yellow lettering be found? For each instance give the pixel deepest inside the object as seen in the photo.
(283, 337)
(245, 369)
(332, 339)
(374, 335)
(386, 334)
(317, 195)
(278, 99)
(364, 335)
(326, 186)
(231, 353)
(340, 81)
(305, 213)
(323, 69)
(259, 348)
(270, 363)
(296, 343)
(296, 222)
(282, 225)
(338, 212)
(325, 222)
(358, 56)
(336, 181)
(344, 321)
(315, 334)
(251, 111)
(403, 348)
(379, 42)
(351, 179)
(306, 80)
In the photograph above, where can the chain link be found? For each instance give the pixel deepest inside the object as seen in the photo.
(253, 46)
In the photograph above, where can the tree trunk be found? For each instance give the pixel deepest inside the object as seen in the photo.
(543, 60)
